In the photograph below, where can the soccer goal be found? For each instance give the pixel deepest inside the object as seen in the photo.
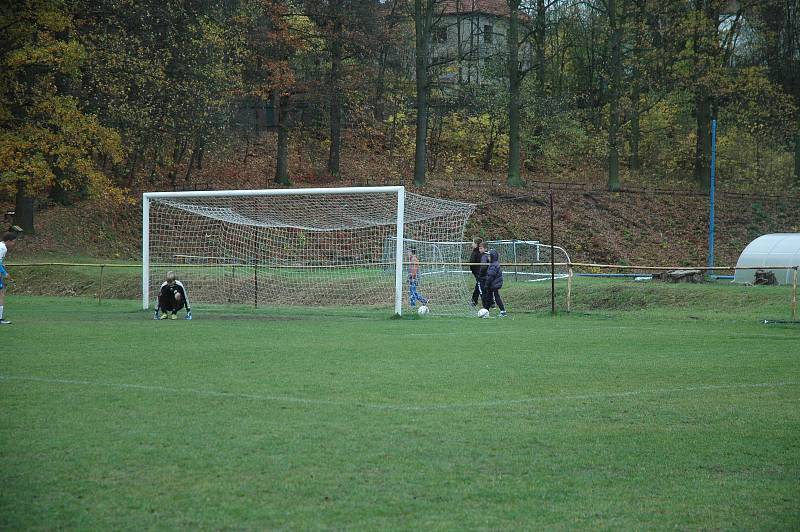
(524, 260)
(529, 260)
(301, 247)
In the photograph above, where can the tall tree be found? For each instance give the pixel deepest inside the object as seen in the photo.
(515, 75)
(163, 73)
(389, 47)
(343, 26)
(424, 11)
(336, 52)
(779, 44)
(47, 141)
(615, 90)
(269, 69)
(711, 48)
(636, 82)
(331, 16)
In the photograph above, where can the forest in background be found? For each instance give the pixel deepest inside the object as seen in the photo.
(105, 98)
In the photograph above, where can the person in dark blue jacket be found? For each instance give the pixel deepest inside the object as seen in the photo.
(493, 283)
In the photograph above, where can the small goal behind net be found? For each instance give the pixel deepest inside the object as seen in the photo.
(320, 247)
(522, 260)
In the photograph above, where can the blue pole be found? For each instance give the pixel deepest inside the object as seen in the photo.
(711, 195)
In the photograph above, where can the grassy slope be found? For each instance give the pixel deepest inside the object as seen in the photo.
(647, 419)
(593, 227)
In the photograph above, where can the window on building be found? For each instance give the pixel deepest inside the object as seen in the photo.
(441, 35)
(487, 34)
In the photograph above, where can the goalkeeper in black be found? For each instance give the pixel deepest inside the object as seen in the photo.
(172, 297)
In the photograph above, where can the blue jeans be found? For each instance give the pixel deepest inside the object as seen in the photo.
(413, 295)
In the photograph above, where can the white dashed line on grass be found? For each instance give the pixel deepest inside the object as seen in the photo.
(401, 407)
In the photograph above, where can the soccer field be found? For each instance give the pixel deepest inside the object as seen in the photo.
(257, 419)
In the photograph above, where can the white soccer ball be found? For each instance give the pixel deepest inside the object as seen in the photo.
(483, 313)
(422, 310)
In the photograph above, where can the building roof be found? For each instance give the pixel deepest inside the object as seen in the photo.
(490, 7)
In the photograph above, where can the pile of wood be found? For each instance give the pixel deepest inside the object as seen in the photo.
(681, 276)
(764, 278)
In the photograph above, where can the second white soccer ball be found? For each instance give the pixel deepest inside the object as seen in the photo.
(483, 313)
(422, 310)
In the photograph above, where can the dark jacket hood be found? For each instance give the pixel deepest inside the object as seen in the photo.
(494, 256)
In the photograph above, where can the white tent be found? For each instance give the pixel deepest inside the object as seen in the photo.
(778, 249)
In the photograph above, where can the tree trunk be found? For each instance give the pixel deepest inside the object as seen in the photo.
(540, 22)
(636, 90)
(385, 49)
(708, 14)
(702, 157)
(282, 158)
(380, 86)
(797, 158)
(190, 166)
(423, 20)
(614, 94)
(594, 85)
(635, 126)
(23, 210)
(57, 193)
(541, 28)
(132, 165)
(488, 153)
(514, 81)
(200, 152)
(421, 144)
(336, 98)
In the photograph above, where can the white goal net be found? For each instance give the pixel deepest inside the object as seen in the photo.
(303, 247)
(523, 260)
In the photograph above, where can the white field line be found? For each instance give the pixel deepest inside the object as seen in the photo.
(523, 331)
(401, 407)
(596, 329)
(466, 333)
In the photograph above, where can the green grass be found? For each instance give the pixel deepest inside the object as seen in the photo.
(683, 414)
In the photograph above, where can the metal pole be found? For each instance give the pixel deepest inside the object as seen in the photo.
(255, 267)
(398, 253)
(145, 251)
(711, 194)
(794, 294)
(552, 261)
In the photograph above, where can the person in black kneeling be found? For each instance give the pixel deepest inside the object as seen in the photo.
(172, 297)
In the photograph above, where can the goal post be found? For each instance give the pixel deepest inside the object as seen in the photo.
(304, 247)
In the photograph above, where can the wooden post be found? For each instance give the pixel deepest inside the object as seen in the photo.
(100, 292)
(794, 294)
(552, 261)
(569, 289)
(515, 258)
